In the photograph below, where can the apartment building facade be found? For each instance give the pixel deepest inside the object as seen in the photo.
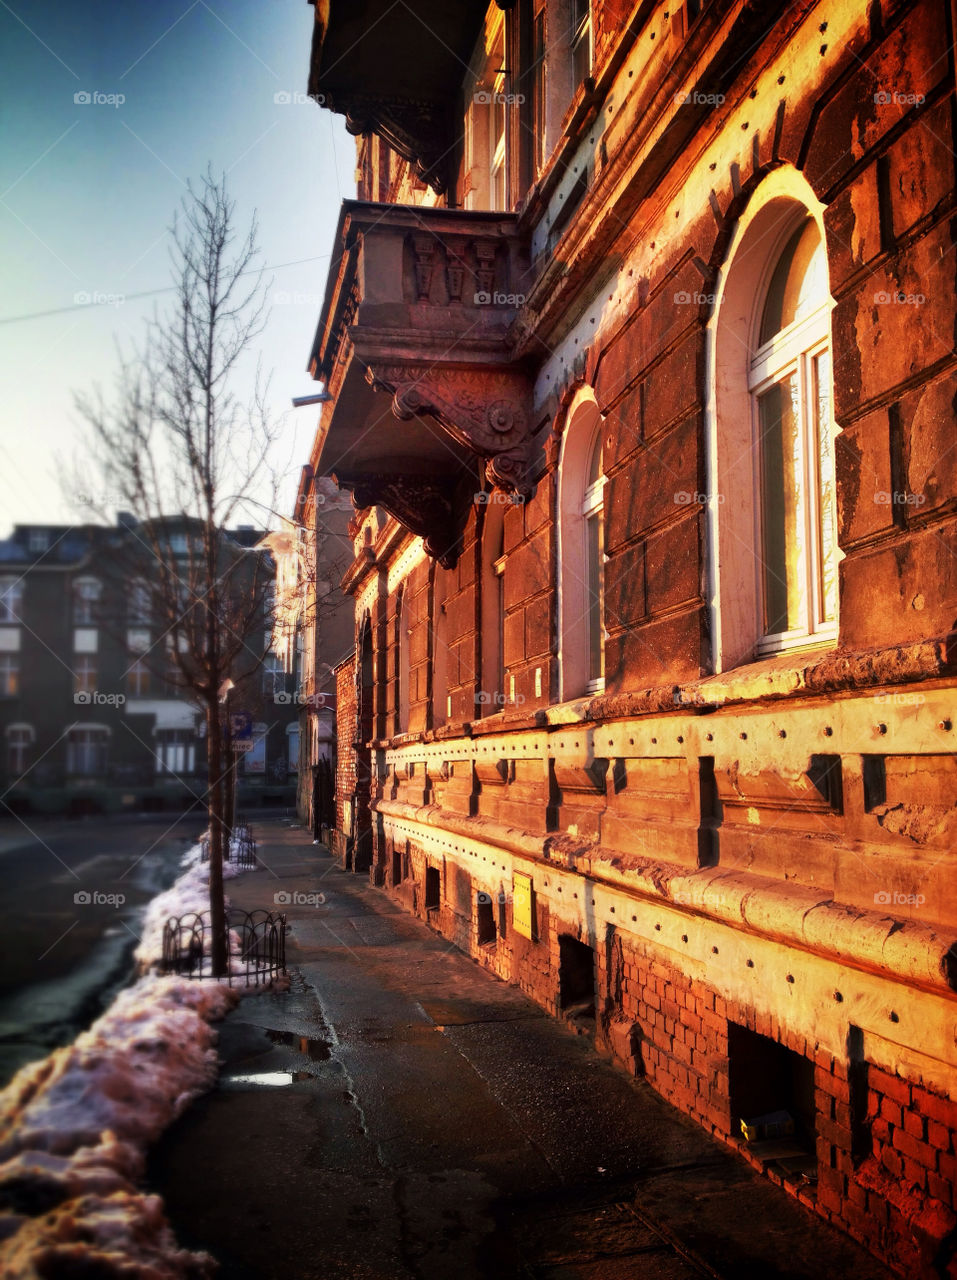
(640, 347)
(93, 717)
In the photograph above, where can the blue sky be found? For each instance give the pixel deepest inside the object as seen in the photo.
(88, 190)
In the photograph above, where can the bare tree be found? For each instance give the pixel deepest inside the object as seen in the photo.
(183, 451)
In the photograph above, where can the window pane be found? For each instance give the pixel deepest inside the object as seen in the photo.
(593, 586)
(781, 471)
(799, 282)
(594, 463)
(821, 380)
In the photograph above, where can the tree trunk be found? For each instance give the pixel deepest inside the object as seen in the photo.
(217, 905)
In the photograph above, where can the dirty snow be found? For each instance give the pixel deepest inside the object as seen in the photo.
(75, 1127)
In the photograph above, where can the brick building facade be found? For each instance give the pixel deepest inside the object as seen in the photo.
(640, 344)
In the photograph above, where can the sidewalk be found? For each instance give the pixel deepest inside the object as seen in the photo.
(400, 1113)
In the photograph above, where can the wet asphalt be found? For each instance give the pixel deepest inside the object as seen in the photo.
(398, 1112)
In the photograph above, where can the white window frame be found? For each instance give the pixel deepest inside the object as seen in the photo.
(580, 36)
(86, 596)
(735, 540)
(793, 351)
(11, 599)
(87, 753)
(486, 150)
(583, 423)
(19, 738)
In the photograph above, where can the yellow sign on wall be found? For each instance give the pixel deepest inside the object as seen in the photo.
(523, 914)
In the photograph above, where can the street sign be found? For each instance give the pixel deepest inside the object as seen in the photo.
(243, 744)
(241, 724)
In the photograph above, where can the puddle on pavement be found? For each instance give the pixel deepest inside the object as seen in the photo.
(266, 1079)
(317, 1050)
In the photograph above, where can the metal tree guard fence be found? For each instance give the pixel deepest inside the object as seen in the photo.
(242, 849)
(256, 946)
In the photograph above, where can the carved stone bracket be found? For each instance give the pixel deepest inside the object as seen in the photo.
(422, 504)
(418, 131)
(486, 410)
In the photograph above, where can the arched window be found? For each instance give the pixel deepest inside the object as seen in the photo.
(11, 599)
(86, 596)
(772, 499)
(491, 696)
(439, 644)
(581, 483)
(402, 662)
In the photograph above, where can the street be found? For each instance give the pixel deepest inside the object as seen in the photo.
(400, 1113)
(71, 892)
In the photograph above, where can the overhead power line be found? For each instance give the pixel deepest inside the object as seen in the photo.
(110, 299)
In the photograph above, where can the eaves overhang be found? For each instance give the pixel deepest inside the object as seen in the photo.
(396, 68)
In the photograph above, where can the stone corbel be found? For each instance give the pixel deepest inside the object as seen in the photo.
(422, 504)
(486, 410)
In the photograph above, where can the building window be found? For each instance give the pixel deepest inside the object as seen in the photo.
(402, 673)
(581, 484)
(11, 599)
(771, 501)
(594, 528)
(87, 750)
(439, 648)
(538, 89)
(138, 679)
(175, 751)
(486, 162)
(20, 738)
(580, 40)
(274, 676)
(140, 604)
(84, 673)
(38, 540)
(790, 387)
(491, 696)
(86, 597)
(9, 675)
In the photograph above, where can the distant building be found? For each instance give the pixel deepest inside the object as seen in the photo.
(639, 342)
(314, 631)
(91, 719)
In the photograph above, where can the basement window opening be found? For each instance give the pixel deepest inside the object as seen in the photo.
(772, 1103)
(485, 920)
(433, 889)
(576, 978)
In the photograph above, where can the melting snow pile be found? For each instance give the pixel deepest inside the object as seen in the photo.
(74, 1127)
